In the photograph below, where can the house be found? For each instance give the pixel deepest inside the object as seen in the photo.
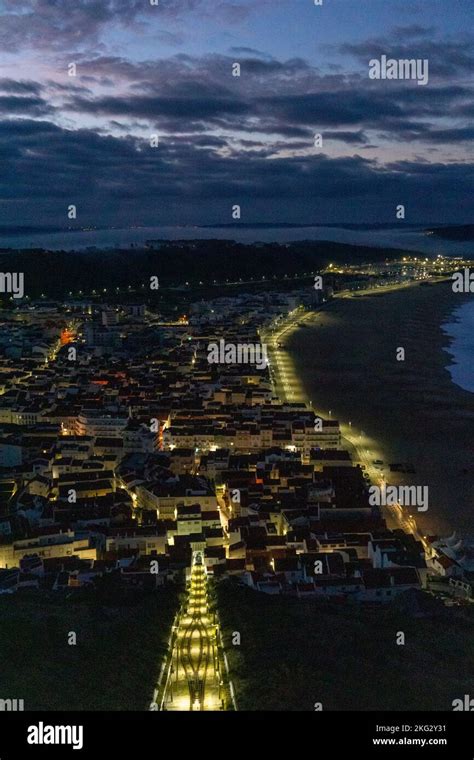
(383, 585)
(446, 566)
(289, 568)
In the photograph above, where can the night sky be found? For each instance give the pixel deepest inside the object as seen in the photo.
(224, 140)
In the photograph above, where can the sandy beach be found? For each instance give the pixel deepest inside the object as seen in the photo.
(345, 358)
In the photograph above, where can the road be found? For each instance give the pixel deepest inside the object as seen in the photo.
(364, 450)
(285, 382)
(380, 288)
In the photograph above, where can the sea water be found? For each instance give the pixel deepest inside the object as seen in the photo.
(460, 328)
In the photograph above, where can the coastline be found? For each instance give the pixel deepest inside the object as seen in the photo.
(344, 362)
(460, 330)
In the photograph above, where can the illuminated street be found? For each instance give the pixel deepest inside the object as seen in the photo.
(365, 450)
(195, 673)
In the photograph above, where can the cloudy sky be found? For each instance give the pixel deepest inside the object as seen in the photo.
(166, 70)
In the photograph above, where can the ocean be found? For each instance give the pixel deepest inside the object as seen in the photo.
(412, 411)
(460, 328)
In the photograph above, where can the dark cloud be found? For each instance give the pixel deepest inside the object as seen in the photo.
(56, 24)
(55, 87)
(225, 139)
(20, 87)
(45, 168)
(333, 108)
(210, 71)
(443, 136)
(467, 110)
(259, 67)
(447, 58)
(288, 98)
(59, 23)
(190, 108)
(413, 31)
(353, 138)
(31, 105)
(242, 50)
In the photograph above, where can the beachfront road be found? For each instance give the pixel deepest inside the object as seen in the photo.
(364, 449)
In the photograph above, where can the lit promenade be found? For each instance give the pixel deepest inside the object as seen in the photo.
(195, 674)
(364, 449)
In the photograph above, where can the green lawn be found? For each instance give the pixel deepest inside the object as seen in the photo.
(294, 654)
(117, 659)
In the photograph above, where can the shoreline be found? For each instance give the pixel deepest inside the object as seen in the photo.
(410, 412)
(411, 238)
(458, 328)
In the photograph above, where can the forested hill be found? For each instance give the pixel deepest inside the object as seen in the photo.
(57, 273)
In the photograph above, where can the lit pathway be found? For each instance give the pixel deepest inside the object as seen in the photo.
(365, 450)
(196, 676)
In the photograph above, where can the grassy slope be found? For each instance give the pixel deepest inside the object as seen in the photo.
(296, 653)
(114, 665)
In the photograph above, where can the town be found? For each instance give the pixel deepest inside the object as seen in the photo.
(134, 447)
